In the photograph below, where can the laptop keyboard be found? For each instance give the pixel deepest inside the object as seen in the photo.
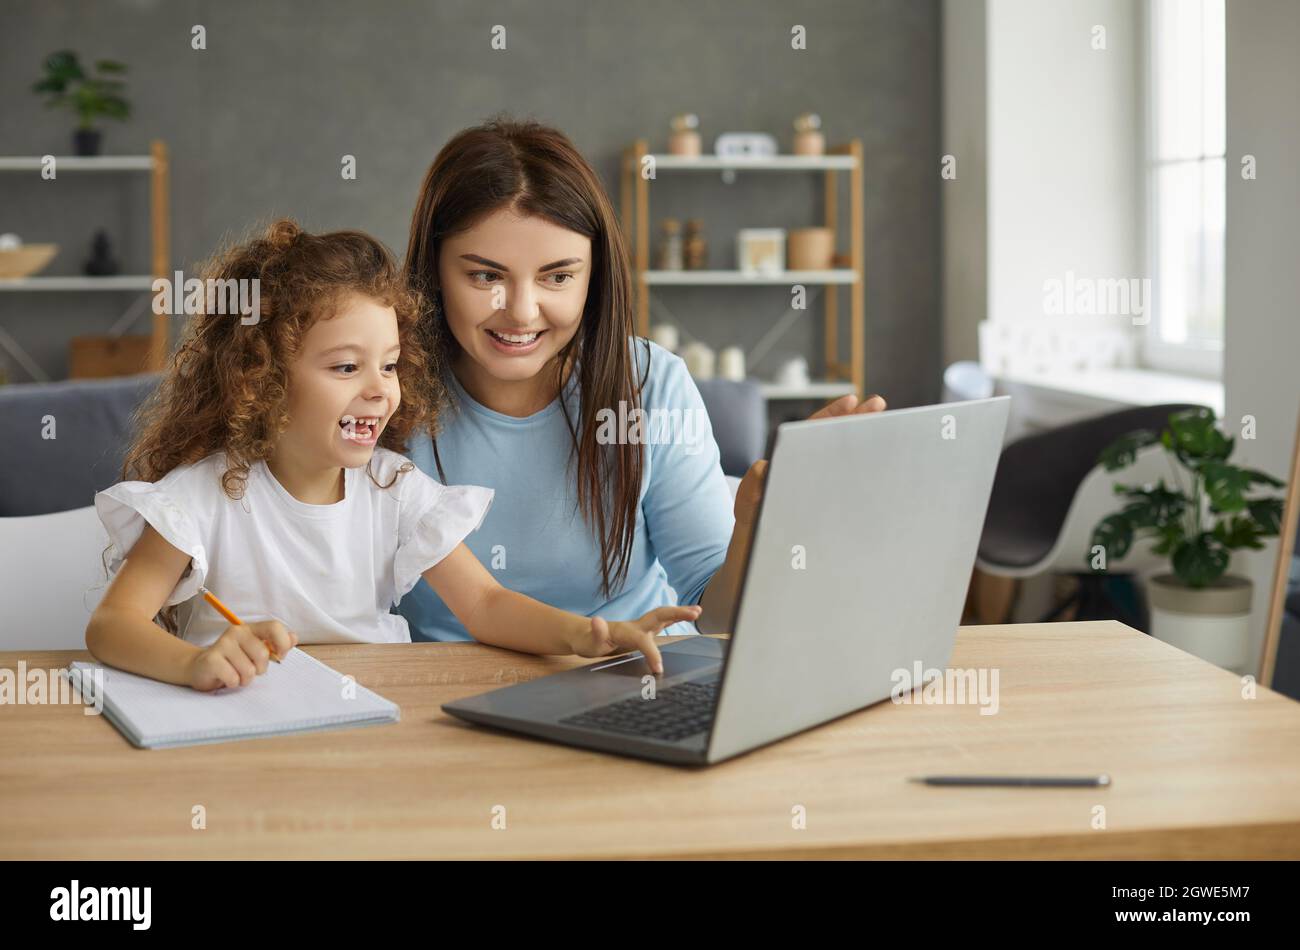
(675, 713)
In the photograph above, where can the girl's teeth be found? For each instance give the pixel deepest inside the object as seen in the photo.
(362, 429)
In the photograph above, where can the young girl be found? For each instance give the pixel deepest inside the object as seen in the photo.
(267, 470)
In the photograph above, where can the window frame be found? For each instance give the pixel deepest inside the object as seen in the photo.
(1194, 357)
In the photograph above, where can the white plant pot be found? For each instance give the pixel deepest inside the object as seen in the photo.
(1211, 622)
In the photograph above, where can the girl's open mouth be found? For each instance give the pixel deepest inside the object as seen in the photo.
(363, 430)
(515, 342)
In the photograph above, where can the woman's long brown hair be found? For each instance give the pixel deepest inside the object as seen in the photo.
(533, 170)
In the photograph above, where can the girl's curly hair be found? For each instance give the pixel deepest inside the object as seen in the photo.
(227, 384)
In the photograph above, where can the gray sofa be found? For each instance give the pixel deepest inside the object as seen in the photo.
(92, 428)
(91, 425)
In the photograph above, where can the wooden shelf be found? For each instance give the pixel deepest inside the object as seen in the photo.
(775, 163)
(79, 163)
(735, 277)
(73, 282)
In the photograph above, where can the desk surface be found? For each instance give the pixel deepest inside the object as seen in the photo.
(1198, 771)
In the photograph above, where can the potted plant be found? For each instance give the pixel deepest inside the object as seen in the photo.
(1207, 511)
(91, 97)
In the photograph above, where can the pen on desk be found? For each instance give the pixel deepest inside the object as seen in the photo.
(1036, 781)
(230, 615)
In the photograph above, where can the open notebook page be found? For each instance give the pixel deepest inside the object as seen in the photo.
(297, 695)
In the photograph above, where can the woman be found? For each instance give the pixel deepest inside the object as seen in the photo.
(516, 248)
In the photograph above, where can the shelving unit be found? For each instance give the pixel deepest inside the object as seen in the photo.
(156, 164)
(843, 375)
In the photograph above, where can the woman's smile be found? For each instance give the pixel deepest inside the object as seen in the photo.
(515, 344)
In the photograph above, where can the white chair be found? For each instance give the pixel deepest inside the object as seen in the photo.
(51, 579)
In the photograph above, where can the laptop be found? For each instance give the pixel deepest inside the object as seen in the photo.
(859, 565)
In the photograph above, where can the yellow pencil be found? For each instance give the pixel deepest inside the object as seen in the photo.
(230, 615)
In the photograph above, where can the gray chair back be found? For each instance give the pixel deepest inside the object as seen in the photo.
(738, 414)
(1038, 476)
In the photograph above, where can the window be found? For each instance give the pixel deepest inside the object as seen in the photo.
(1185, 169)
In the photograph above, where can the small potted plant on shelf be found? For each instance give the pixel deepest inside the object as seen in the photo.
(1206, 512)
(91, 97)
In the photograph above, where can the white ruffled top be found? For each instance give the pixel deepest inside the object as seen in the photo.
(328, 572)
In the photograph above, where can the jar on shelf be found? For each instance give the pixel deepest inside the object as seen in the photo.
(685, 137)
(808, 137)
(700, 360)
(665, 334)
(670, 245)
(731, 364)
(697, 248)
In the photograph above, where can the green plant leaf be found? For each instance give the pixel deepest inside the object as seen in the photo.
(110, 66)
(115, 108)
(1114, 534)
(1152, 507)
(1194, 438)
(1199, 561)
(1225, 485)
(1124, 450)
(1238, 532)
(1268, 512)
(1263, 478)
(1171, 535)
(64, 64)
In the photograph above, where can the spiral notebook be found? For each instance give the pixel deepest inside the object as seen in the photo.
(300, 694)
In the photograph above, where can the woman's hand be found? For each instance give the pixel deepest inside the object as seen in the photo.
(239, 655)
(604, 637)
(750, 491)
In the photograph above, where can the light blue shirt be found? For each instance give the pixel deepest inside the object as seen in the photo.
(536, 541)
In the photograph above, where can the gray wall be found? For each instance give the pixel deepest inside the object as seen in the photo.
(258, 121)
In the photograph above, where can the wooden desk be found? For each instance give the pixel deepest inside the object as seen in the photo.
(1198, 771)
